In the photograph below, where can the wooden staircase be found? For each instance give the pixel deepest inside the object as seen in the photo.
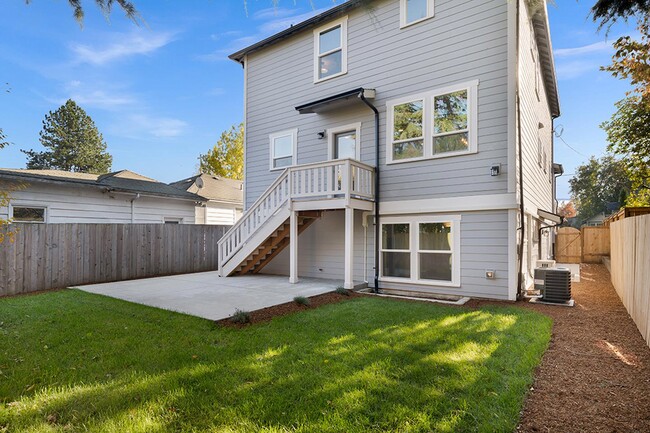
(274, 244)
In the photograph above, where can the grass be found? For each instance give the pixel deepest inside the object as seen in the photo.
(72, 361)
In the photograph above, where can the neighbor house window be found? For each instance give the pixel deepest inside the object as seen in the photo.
(24, 214)
(283, 149)
(421, 250)
(414, 11)
(433, 124)
(331, 51)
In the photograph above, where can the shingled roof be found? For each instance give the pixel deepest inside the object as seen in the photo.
(119, 181)
(213, 188)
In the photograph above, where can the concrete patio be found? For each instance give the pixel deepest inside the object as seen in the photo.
(212, 297)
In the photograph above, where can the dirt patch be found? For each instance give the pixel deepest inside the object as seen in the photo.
(595, 375)
(266, 314)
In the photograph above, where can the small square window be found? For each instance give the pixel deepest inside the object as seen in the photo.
(414, 11)
(23, 214)
(330, 53)
(283, 149)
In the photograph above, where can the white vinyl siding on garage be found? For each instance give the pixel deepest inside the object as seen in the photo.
(69, 204)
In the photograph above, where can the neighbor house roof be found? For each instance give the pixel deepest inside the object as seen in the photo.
(213, 188)
(540, 24)
(124, 181)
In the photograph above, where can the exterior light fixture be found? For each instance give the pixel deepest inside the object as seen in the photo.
(490, 274)
(495, 170)
(321, 134)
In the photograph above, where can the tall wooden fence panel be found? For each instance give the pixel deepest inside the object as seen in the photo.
(568, 247)
(51, 256)
(595, 244)
(630, 263)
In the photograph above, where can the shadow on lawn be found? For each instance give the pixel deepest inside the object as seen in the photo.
(366, 368)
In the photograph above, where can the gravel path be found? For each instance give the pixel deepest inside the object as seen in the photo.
(595, 376)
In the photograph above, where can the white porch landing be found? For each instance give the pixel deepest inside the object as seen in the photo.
(207, 296)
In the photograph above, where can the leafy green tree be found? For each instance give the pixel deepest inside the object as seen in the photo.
(226, 158)
(628, 131)
(73, 143)
(598, 183)
(608, 11)
(106, 6)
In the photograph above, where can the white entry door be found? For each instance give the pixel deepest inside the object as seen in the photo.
(344, 142)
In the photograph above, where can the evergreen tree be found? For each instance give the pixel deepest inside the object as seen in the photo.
(72, 141)
(226, 158)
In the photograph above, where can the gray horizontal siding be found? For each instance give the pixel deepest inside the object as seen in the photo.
(466, 40)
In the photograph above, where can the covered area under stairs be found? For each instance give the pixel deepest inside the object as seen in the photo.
(294, 202)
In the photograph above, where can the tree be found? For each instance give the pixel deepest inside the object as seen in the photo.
(73, 143)
(226, 158)
(567, 210)
(608, 11)
(628, 131)
(599, 185)
(106, 6)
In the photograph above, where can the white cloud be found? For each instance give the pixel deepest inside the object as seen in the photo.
(122, 45)
(573, 69)
(598, 47)
(160, 127)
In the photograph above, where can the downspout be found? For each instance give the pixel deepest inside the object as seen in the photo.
(522, 213)
(374, 109)
(135, 197)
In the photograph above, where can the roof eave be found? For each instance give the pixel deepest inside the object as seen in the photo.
(542, 29)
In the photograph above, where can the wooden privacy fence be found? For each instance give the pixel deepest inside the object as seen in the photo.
(588, 245)
(630, 264)
(50, 256)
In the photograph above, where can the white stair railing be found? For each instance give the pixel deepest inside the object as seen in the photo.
(324, 180)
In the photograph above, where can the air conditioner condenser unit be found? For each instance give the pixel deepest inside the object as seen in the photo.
(554, 284)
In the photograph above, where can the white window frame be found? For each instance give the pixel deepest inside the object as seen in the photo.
(28, 205)
(414, 244)
(428, 97)
(343, 22)
(331, 139)
(402, 13)
(294, 148)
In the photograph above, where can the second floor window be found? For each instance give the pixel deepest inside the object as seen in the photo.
(330, 50)
(414, 11)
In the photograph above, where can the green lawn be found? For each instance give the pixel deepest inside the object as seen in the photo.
(72, 361)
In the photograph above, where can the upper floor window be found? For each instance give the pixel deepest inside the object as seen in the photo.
(331, 51)
(434, 124)
(283, 149)
(25, 214)
(414, 11)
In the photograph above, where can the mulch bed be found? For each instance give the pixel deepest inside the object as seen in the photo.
(266, 314)
(595, 375)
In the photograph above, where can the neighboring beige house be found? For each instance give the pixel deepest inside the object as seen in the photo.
(53, 196)
(224, 198)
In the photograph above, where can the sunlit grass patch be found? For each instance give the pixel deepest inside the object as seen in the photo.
(72, 361)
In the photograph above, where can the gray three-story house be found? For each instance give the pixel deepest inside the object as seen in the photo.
(402, 144)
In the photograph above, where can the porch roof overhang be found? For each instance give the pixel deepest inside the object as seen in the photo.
(336, 101)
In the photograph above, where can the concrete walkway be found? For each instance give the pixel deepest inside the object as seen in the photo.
(209, 296)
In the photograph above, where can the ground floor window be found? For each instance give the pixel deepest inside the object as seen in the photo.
(423, 250)
(28, 214)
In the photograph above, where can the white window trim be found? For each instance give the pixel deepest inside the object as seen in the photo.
(402, 13)
(415, 248)
(331, 139)
(294, 137)
(343, 22)
(428, 97)
(18, 204)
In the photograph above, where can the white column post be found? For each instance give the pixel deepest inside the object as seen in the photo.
(293, 247)
(349, 248)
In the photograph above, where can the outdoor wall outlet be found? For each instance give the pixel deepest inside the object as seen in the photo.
(490, 274)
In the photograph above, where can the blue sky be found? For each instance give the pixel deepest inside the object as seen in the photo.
(162, 93)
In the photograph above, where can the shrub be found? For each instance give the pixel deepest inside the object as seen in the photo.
(342, 291)
(301, 300)
(241, 316)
